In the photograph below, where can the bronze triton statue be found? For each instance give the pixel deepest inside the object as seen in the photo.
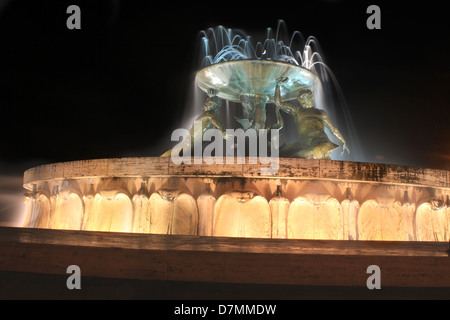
(310, 122)
(209, 119)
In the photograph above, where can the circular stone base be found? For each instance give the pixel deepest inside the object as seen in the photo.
(306, 199)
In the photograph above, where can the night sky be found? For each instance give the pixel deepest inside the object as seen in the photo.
(119, 86)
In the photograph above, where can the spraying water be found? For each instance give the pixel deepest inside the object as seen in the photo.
(12, 206)
(222, 44)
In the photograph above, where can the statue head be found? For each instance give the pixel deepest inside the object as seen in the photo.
(211, 93)
(306, 98)
(213, 101)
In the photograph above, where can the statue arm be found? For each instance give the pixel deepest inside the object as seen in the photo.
(212, 103)
(286, 107)
(334, 131)
(217, 124)
(279, 124)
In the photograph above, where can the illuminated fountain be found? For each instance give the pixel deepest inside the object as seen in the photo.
(306, 198)
(252, 82)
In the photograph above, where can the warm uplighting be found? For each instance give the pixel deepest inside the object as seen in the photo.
(309, 199)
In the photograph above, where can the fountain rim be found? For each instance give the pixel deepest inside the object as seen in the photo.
(289, 169)
(257, 60)
(261, 61)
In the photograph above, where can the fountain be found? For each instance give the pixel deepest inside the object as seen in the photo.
(252, 82)
(309, 196)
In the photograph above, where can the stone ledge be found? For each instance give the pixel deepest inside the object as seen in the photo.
(224, 260)
(289, 168)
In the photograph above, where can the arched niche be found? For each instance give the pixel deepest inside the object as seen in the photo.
(315, 217)
(112, 212)
(382, 221)
(173, 212)
(67, 210)
(432, 222)
(242, 214)
(39, 211)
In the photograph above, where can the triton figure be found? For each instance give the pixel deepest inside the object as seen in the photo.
(310, 122)
(209, 119)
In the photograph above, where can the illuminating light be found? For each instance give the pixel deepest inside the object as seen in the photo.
(308, 199)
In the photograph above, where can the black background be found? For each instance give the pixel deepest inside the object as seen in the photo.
(120, 85)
